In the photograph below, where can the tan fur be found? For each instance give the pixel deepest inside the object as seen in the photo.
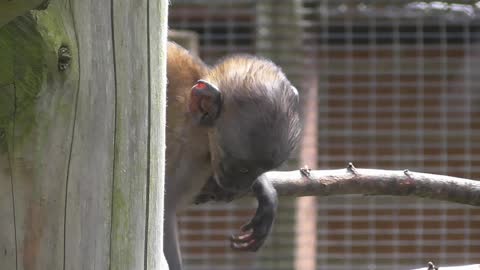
(255, 132)
(188, 163)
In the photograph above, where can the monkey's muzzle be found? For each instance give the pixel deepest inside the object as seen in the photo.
(234, 183)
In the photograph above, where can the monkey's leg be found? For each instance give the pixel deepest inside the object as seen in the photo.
(171, 248)
(257, 230)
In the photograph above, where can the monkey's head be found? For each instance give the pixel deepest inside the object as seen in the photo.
(252, 112)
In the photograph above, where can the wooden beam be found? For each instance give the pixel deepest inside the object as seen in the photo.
(9, 10)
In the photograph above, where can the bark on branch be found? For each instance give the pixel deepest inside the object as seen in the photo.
(305, 182)
(431, 266)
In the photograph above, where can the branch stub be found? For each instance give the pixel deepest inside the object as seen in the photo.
(352, 168)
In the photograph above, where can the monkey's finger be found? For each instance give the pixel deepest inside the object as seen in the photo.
(251, 241)
(245, 237)
(246, 242)
(253, 223)
(252, 245)
(247, 227)
(246, 246)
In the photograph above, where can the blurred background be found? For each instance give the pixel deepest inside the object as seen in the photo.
(385, 84)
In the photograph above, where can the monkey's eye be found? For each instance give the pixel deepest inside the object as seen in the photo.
(243, 170)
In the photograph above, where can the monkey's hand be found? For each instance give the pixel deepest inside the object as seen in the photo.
(255, 232)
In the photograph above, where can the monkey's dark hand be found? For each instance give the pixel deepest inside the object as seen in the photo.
(257, 230)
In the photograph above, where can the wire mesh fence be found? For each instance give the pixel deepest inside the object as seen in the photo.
(398, 87)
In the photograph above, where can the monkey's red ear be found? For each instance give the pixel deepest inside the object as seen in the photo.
(205, 103)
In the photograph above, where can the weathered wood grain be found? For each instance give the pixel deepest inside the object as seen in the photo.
(129, 207)
(157, 51)
(89, 188)
(40, 136)
(7, 218)
(75, 161)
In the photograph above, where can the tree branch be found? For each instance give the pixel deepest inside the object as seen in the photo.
(351, 180)
(431, 266)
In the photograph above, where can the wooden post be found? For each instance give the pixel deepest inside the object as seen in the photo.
(82, 85)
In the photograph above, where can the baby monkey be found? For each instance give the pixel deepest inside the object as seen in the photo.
(226, 126)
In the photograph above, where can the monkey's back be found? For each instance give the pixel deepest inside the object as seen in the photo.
(183, 70)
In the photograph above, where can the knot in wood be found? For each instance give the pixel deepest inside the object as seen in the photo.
(64, 58)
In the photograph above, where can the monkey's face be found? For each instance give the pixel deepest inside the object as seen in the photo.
(257, 125)
(246, 142)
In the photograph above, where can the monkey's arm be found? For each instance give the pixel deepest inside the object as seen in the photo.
(256, 231)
